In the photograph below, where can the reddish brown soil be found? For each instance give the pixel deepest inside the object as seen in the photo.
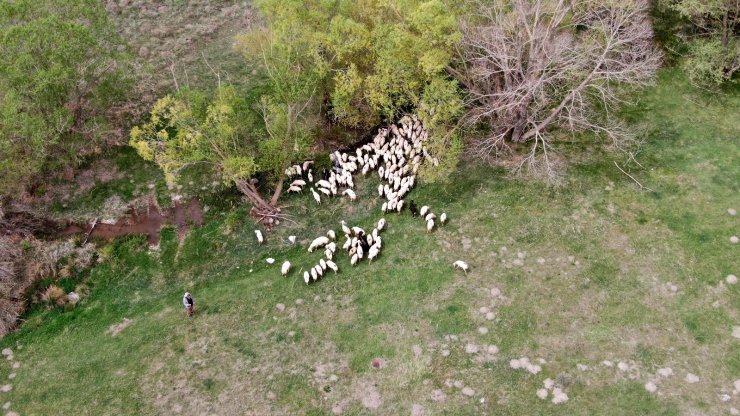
(148, 222)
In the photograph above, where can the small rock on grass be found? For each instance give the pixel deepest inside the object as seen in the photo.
(6, 388)
(736, 332)
(691, 378)
(490, 316)
(542, 394)
(732, 211)
(280, 307)
(438, 395)
(651, 387)
(471, 348)
(731, 279)
(734, 239)
(665, 372)
(483, 330)
(468, 392)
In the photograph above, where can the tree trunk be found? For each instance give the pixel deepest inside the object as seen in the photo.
(278, 191)
(247, 188)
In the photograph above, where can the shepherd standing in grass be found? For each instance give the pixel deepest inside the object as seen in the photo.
(189, 303)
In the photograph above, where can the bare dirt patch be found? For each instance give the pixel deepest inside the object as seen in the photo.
(116, 329)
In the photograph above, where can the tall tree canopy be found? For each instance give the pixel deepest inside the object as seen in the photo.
(60, 75)
(533, 65)
(376, 59)
(713, 44)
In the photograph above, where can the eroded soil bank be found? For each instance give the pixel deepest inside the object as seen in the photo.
(149, 221)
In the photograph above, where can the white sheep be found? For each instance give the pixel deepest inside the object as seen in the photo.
(318, 242)
(332, 246)
(372, 253)
(347, 243)
(310, 176)
(430, 226)
(322, 263)
(314, 276)
(286, 268)
(350, 193)
(316, 196)
(328, 254)
(291, 238)
(258, 233)
(295, 189)
(325, 191)
(319, 270)
(381, 224)
(459, 264)
(443, 218)
(346, 229)
(331, 234)
(399, 207)
(270, 260)
(430, 216)
(354, 259)
(298, 183)
(306, 277)
(330, 264)
(358, 230)
(423, 210)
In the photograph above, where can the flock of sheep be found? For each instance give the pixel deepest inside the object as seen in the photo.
(397, 153)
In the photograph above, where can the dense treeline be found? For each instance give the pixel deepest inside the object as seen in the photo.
(486, 77)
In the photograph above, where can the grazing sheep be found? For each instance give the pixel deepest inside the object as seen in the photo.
(347, 243)
(354, 259)
(413, 209)
(295, 189)
(330, 264)
(319, 270)
(430, 216)
(430, 226)
(328, 254)
(258, 233)
(384, 208)
(443, 218)
(423, 210)
(319, 242)
(332, 246)
(331, 234)
(459, 264)
(399, 207)
(358, 230)
(310, 176)
(314, 276)
(381, 224)
(298, 183)
(346, 229)
(350, 193)
(316, 196)
(286, 268)
(291, 239)
(323, 183)
(322, 263)
(306, 277)
(372, 253)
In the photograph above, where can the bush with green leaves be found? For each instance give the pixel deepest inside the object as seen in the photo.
(62, 73)
(713, 47)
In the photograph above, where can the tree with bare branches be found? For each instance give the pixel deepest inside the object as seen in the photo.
(532, 67)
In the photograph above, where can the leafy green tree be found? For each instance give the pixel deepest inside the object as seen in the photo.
(61, 73)
(375, 60)
(225, 135)
(713, 46)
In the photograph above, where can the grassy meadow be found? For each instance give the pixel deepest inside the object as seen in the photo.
(603, 282)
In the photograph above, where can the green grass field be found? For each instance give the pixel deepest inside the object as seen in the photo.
(597, 270)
